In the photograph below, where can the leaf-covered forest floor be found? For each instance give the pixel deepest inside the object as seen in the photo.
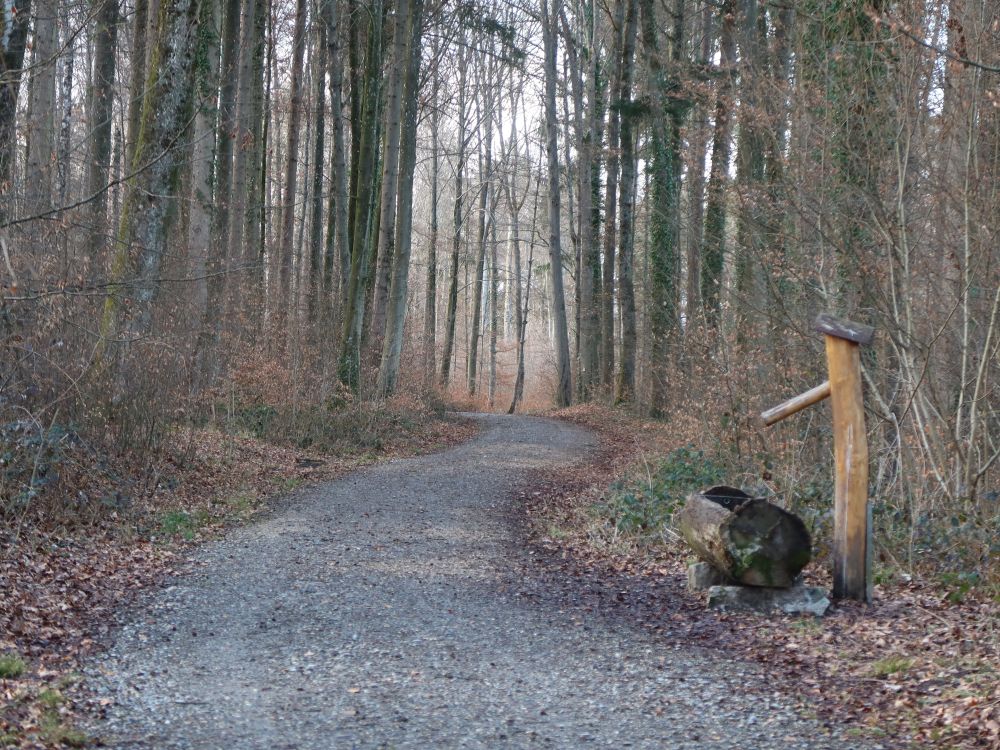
(118, 524)
(919, 667)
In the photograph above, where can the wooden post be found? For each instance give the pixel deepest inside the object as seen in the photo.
(852, 513)
(851, 579)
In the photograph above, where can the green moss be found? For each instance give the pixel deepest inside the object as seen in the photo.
(750, 559)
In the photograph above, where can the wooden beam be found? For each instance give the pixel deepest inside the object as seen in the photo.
(859, 333)
(797, 404)
(850, 448)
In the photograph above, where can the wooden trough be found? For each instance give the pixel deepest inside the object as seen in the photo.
(749, 540)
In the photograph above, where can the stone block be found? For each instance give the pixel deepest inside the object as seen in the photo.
(702, 575)
(797, 600)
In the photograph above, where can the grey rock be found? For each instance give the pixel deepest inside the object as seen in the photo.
(797, 600)
(703, 575)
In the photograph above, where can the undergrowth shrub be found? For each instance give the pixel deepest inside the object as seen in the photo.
(30, 459)
(643, 502)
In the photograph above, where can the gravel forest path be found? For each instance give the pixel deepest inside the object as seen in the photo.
(382, 611)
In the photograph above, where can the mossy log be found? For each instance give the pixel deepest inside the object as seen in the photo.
(750, 540)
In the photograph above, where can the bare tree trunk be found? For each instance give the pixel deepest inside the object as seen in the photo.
(456, 245)
(485, 221)
(430, 293)
(390, 173)
(494, 311)
(589, 256)
(241, 245)
(254, 122)
(607, 299)
(137, 78)
(41, 110)
(102, 104)
(714, 248)
(625, 390)
(316, 302)
(749, 171)
(393, 344)
(151, 197)
(337, 232)
(68, 61)
(572, 220)
(564, 389)
(363, 168)
(700, 135)
(13, 43)
(199, 239)
(522, 314)
(226, 134)
(287, 240)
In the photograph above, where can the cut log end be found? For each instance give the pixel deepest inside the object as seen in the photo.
(750, 540)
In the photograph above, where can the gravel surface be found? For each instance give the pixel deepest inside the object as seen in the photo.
(382, 611)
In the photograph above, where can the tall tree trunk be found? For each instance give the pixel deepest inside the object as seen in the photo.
(200, 250)
(363, 171)
(68, 61)
(41, 158)
(456, 244)
(494, 294)
(430, 293)
(701, 132)
(390, 172)
(714, 249)
(396, 317)
(607, 303)
(485, 221)
(287, 240)
(587, 311)
(151, 197)
(227, 131)
(13, 42)
(625, 386)
(354, 72)
(137, 78)
(241, 247)
(572, 219)
(750, 170)
(522, 315)
(254, 123)
(337, 232)
(316, 302)
(102, 109)
(664, 258)
(564, 387)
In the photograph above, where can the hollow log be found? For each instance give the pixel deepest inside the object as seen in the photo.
(750, 540)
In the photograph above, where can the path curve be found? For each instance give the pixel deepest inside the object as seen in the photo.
(372, 613)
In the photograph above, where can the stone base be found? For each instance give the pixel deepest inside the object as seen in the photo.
(702, 576)
(797, 600)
